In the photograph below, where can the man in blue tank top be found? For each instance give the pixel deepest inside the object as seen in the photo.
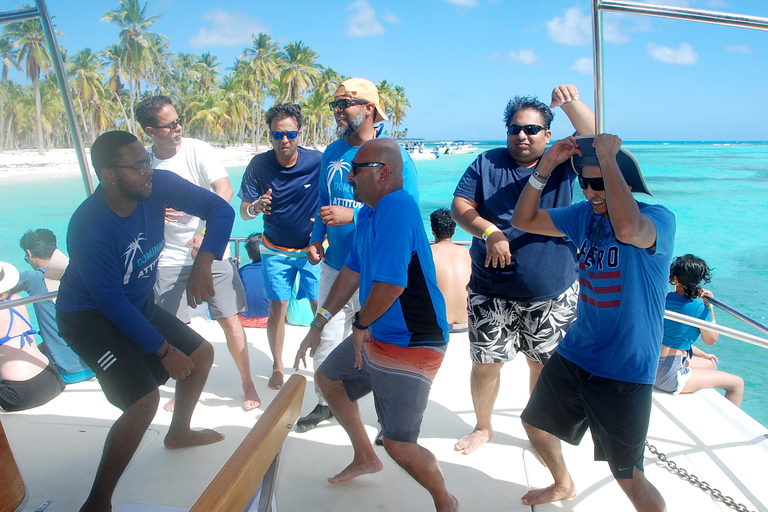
(516, 302)
(601, 376)
(400, 334)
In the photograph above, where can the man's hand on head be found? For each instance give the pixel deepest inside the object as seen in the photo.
(200, 282)
(337, 215)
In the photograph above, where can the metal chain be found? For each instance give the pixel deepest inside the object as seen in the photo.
(694, 481)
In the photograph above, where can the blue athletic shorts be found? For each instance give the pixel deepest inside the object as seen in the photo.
(280, 270)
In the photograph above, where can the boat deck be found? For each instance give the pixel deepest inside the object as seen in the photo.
(57, 447)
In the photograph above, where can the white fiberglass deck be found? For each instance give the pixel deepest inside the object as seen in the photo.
(58, 446)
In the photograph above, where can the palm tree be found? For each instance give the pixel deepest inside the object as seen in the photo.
(114, 57)
(400, 105)
(263, 59)
(135, 38)
(9, 57)
(85, 69)
(208, 73)
(29, 37)
(300, 70)
(211, 114)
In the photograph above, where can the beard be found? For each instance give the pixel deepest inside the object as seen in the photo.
(132, 193)
(352, 126)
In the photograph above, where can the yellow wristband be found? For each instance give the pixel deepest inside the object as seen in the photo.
(325, 314)
(491, 229)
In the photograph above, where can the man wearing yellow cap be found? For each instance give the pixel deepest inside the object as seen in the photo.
(357, 111)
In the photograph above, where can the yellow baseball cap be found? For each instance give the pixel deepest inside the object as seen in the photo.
(361, 89)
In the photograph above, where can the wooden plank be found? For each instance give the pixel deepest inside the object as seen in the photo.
(12, 490)
(234, 485)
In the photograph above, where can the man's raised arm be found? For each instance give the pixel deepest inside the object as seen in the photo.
(582, 118)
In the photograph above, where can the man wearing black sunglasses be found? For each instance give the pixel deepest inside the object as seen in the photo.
(357, 111)
(523, 288)
(282, 184)
(603, 371)
(194, 160)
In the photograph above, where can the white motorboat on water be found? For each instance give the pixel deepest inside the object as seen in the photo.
(458, 147)
(417, 150)
(57, 446)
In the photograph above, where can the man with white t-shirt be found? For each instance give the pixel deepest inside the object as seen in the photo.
(194, 160)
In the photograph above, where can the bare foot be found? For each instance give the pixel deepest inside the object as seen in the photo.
(549, 494)
(276, 381)
(356, 469)
(473, 441)
(252, 400)
(192, 438)
(170, 404)
(453, 506)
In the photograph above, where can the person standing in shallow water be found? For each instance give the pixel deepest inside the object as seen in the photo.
(684, 368)
(106, 306)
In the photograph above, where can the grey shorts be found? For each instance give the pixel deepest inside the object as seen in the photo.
(672, 374)
(500, 328)
(171, 291)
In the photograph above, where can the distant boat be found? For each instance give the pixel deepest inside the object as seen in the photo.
(417, 150)
(457, 147)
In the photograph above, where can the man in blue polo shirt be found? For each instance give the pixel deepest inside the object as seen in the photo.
(400, 334)
(282, 184)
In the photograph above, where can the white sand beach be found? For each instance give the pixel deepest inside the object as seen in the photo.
(28, 163)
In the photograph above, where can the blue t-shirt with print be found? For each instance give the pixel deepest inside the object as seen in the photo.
(617, 332)
(335, 190)
(391, 246)
(682, 336)
(542, 267)
(294, 195)
(113, 259)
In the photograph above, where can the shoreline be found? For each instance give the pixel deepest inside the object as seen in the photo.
(28, 163)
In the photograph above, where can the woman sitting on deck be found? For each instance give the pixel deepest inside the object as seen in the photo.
(27, 377)
(682, 367)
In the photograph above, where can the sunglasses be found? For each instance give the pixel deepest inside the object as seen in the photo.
(173, 124)
(278, 136)
(345, 104)
(139, 168)
(356, 166)
(529, 129)
(596, 183)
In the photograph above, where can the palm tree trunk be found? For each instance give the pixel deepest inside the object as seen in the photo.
(39, 112)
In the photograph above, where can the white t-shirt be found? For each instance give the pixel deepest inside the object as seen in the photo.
(195, 162)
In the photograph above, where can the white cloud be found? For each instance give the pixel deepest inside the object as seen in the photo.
(575, 29)
(463, 3)
(584, 65)
(227, 29)
(391, 18)
(739, 48)
(683, 55)
(362, 22)
(525, 57)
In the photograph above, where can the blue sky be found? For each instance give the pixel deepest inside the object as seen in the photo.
(462, 60)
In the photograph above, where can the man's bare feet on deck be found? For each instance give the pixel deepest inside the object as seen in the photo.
(549, 494)
(276, 381)
(357, 469)
(192, 438)
(252, 400)
(170, 404)
(473, 441)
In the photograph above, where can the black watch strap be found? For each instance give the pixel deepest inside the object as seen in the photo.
(357, 325)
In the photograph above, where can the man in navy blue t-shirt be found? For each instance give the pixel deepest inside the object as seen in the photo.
(523, 288)
(283, 185)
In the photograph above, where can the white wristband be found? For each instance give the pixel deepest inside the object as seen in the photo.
(248, 212)
(536, 183)
(325, 314)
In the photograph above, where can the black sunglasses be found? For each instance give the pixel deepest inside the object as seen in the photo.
(356, 166)
(596, 183)
(345, 104)
(173, 124)
(278, 136)
(139, 168)
(529, 129)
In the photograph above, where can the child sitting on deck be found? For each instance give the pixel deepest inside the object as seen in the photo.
(682, 367)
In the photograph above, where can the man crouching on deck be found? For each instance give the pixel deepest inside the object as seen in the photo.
(106, 311)
(399, 335)
(603, 371)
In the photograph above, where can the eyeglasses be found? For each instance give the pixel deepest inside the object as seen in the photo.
(173, 124)
(529, 129)
(356, 166)
(139, 168)
(597, 184)
(278, 136)
(345, 104)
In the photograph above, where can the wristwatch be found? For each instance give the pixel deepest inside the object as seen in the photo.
(357, 325)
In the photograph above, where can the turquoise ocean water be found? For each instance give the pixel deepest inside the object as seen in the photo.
(718, 191)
